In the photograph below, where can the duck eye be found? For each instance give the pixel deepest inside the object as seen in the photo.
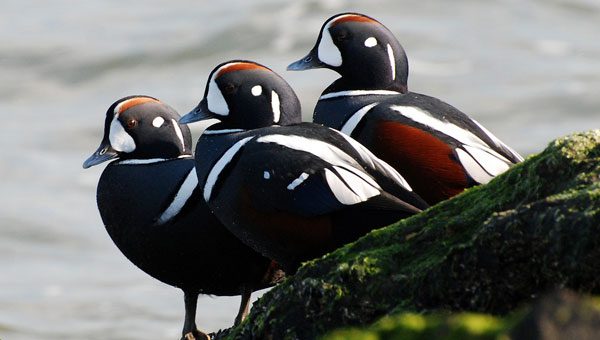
(229, 88)
(341, 36)
(131, 123)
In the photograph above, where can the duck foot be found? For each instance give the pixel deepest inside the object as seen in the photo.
(196, 335)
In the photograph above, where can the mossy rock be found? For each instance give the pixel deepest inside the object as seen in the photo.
(558, 315)
(487, 250)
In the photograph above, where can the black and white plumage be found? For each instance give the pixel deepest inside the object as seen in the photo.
(153, 210)
(291, 192)
(439, 149)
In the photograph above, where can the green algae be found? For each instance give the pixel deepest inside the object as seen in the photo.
(487, 250)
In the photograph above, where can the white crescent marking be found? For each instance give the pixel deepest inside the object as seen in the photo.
(119, 139)
(213, 175)
(183, 195)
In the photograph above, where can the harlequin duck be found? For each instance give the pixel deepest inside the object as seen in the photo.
(436, 147)
(153, 210)
(292, 191)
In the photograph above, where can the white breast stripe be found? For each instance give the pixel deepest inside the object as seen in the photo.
(275, 106)
(374, 162)
(119, 139)
(297, 181)
(351, 123)
(390, 52)
(472, 167)
(489, 163)
(358, 93)
(213, 175)
(178, 133)
(498, 141)
(183, 195)
(463, 136)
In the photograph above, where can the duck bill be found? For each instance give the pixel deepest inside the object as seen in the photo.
(104, 153)
(199, 113)
(310, 61)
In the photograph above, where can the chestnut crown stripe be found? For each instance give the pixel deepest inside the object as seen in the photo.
(239, 66)
(129, 103)
(352, 18)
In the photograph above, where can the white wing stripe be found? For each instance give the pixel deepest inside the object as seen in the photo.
(489, 163)
(213, 175)
(375, 162)
(498, 141)
(472, 167)
(463, 136)
(357, 184)
(183, 195)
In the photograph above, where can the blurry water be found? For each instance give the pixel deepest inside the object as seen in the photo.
(529, 71)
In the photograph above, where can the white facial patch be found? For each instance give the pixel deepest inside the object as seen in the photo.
(266, 175)
(392, 58)
(327, 52)
(119, 139)
(256, 90)
(214, 98)
(275, 106)
(370, 42)
(158, 122)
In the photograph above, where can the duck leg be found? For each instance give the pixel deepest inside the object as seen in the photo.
(190, 332)
(244, 305)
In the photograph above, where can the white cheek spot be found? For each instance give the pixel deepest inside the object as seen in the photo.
(275, 106)
(256, 90)
(327, 52)
(370, 42)
(119, 139)
(214, 99)
(266, 175)
(158, 122)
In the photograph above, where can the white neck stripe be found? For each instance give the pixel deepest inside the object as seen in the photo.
(149, 160)
(358, 93)
(390, 52)
(183, 195)
(223, 131)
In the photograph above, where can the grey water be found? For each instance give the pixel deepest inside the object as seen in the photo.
(527, 70)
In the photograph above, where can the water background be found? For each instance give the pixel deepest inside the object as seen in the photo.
(527, 70)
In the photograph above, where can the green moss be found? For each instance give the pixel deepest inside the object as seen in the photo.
(486, 250)
(437, 326)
